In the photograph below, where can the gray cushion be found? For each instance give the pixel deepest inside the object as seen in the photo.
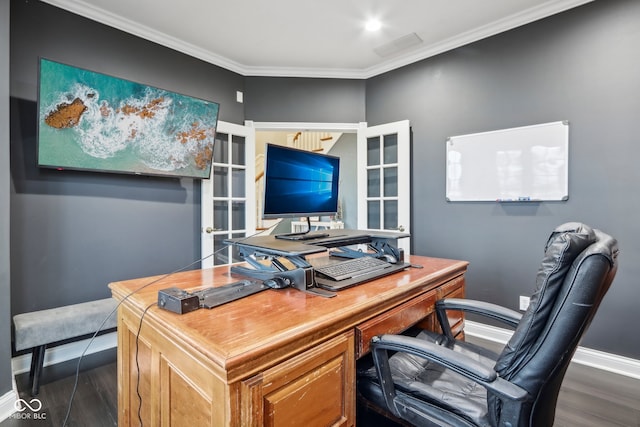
(56, 324)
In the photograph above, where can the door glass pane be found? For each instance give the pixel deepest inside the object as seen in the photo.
(220, 181)
(237, 215)
(390, 148)
(373, 183)
(390, 214)
(237, 148)
(221, 148)
(390, 182)
(221, 215)
(237, 184)
(373, 214)
(373, 151)
(221, 255)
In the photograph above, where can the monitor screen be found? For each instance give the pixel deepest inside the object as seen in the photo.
(299, 183)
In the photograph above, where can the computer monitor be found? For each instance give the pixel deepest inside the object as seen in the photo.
(299, 183)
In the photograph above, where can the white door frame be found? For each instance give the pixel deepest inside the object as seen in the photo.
(208, 230)
(310, 126)
(360, 129)
(403, 166)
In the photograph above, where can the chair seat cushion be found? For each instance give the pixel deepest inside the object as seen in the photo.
(430, 382)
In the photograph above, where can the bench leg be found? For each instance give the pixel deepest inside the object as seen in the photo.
(37, 362)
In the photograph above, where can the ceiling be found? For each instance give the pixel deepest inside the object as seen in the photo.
(314, 38)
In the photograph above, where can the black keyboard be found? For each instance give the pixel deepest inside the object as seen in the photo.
(213, 297)
(352, 267)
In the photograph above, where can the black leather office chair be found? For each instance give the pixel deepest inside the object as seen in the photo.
(434, 380)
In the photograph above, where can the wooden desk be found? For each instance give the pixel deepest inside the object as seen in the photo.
(279, 357)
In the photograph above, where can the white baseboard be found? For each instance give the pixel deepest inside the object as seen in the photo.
(8, 402)
(61, 353)
(583, 356)
(65, 352)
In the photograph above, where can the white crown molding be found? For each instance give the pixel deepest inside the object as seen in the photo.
(584, 356)
(308, 126)
(541, 11)
(320, 73)
(128, 26)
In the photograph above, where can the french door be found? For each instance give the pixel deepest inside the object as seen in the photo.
(228, 196)
(384, 177)
(229, 201)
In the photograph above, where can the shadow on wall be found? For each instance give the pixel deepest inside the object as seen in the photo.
(28, 178)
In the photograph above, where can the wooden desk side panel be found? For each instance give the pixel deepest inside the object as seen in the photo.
(316, 387)
(176, 389)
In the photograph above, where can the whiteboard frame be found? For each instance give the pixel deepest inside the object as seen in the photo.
(521, 164)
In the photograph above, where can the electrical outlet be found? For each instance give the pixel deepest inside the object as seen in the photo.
(524, 302)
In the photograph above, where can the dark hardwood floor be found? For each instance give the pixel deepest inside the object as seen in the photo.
(588, 398)
(95, 403)
(592, 397)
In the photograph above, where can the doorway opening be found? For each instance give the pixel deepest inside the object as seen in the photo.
(338, 143)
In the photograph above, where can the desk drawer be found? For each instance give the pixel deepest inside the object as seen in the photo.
(394, 321)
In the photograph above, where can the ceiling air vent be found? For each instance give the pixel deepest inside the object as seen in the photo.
(398, 45)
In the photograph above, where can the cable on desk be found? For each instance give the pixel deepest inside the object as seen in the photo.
(77, 374)
(138, 364)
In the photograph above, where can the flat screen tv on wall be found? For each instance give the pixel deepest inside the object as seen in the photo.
(92, 121)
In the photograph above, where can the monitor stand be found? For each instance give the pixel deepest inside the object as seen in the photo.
(304, 235)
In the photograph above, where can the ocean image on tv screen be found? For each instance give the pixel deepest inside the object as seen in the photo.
(92, 121)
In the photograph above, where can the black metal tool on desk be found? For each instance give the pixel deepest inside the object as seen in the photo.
(181, 301)
(213, 297)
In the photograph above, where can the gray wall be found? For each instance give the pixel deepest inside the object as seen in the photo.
(583, 66)
(5, 290)
(74, 232)
(282, 99)
(346, 148)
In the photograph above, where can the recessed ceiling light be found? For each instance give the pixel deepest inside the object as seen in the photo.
(373, 25)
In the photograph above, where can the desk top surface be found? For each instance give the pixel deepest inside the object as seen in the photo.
(270, 323)
(325, 239)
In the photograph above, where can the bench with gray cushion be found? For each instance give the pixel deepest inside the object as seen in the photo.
(38, 329)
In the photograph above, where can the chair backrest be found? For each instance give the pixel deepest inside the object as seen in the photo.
(577, 269)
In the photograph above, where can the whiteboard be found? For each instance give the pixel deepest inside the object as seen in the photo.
(528, 163)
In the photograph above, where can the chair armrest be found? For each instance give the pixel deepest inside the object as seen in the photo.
(486, 309)
(443, 356)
